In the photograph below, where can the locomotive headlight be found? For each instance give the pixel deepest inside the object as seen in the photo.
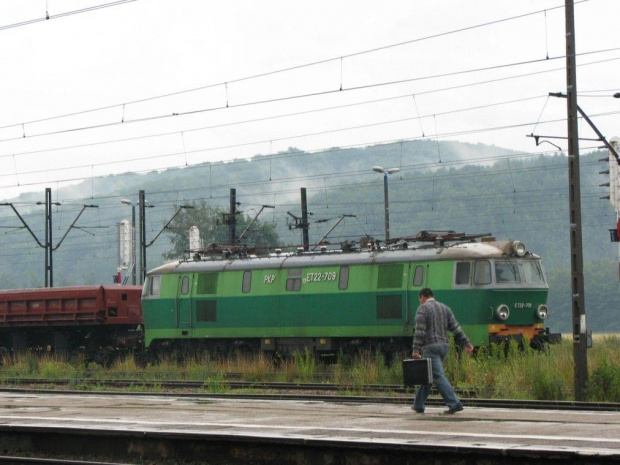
(542, 312)
(518, 248)
(502, 312)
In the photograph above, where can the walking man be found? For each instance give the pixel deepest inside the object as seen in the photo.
(433, 320)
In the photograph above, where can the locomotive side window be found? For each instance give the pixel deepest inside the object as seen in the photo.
(506, 272)
(533, 272)
(185, 285)
(462, 273)
(418, 276)
(343, 281)
(247, 282)
(293, 280)
(482, 272)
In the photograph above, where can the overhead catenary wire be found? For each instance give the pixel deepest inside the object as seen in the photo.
(297, 96)
(175, 154)
(48, 17)
(296, 67)
(256, 142)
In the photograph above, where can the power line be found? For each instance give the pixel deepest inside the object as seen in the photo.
(152, 157)
(293, 97)
(67, 13)
(291, 68)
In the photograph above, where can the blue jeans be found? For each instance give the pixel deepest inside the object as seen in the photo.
(436, 353)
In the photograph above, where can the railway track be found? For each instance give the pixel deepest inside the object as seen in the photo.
(13, 460)
(323, 392)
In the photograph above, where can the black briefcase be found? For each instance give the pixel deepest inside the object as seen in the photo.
(417, 372)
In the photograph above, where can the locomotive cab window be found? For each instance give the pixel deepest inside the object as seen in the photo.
(532, 271)
(151, 286)
(482, 272)
(418, 276)
(293, 280)
(462, 273)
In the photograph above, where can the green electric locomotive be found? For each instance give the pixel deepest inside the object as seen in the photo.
(344, 300)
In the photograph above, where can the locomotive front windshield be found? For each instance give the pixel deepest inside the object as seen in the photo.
(501, 272)
(519, 271)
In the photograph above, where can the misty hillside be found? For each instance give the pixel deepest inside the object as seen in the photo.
(470, 188)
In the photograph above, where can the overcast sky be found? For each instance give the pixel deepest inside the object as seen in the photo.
(415, 79)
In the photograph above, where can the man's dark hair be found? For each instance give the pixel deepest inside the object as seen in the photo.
(426, 292)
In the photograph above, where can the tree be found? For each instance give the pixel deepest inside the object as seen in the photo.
(212, 231)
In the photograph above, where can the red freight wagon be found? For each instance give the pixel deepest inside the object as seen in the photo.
(89, 319)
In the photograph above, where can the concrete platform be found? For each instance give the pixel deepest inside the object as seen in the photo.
(253, 431)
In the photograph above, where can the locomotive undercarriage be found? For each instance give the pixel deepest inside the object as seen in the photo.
(327, 349)
(538, 342)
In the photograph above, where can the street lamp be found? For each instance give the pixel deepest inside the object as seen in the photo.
(379, 169)
(133, 239)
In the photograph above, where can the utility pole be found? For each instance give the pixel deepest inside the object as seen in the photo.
(49, 268)
(302, 223)
(142, 211)
(47, 245)
(580, 357)
(232, 220)
(304, 220)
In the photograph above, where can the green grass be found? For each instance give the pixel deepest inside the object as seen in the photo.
(493, 372)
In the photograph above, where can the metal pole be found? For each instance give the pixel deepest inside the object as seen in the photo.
(580, 357)
(49, 273)
(142, 206)
(233, 218)
(304, 220)
(387, 206)
(133, 244)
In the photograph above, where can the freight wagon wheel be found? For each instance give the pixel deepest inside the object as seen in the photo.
(76, 357)
(5, 356)
(105, 357)
(140, 359)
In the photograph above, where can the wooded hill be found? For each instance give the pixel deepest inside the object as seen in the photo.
(441, 186)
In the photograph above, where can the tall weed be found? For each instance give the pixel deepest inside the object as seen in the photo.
(306, 364)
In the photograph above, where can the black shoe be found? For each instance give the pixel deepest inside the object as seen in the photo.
(416, 410)
(453, 410)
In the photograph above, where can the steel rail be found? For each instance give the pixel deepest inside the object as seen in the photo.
(389, 394)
